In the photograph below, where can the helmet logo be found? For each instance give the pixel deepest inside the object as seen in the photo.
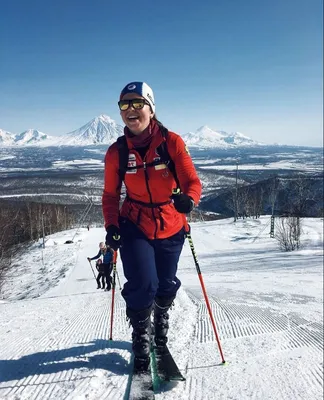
(150, 97)
(131, 86)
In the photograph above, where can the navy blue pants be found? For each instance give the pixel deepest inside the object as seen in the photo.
(150, 266)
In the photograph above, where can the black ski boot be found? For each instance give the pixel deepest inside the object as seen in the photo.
(161, 319)
(141, 337)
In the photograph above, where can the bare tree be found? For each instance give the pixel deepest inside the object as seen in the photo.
(288, 231)
(231, 202)
(243, 202)
(254, 202)
(23, 222)
(301, 195)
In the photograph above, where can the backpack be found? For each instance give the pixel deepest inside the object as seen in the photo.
(161, 150)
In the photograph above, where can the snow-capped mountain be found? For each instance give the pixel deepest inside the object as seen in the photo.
(205, 137)
(100, 130)
(6, 138)
(31, 137)
(104, 130)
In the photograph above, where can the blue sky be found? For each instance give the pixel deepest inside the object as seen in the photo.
(236, 65)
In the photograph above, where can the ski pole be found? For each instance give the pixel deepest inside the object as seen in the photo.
(113, 293)
(118, 280)
(194, 255)
(92, 270)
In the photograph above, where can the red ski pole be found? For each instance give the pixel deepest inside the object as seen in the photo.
(188, 235)
(194, 255)
(113, 293)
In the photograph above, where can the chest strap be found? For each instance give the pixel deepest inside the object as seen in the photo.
(148, 205)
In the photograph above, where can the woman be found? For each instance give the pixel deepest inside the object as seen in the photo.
(105, 266)
(149, 228)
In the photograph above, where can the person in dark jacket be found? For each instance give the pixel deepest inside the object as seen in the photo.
(105, 267)
(151, 224)
(101, 274)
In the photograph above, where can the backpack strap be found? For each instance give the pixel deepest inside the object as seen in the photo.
(123, 157)
(165, 156)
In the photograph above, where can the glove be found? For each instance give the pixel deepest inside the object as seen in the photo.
(183, 203)
(113, 237)
(88, 258)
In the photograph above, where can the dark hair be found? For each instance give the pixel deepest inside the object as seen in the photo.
(160, 125)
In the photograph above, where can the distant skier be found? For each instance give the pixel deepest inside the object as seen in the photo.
(150, 227)
(101, 274)
(105, 267)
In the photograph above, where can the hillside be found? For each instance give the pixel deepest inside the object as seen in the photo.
(267, 305)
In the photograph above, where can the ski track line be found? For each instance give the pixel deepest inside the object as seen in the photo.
(21, 347)
(314, 379)
(99, 325)
(40, 384)
(260, 321)
(290, 391)
(235, 320)
(194, 389)
(45, 389)
(43, 344)
(79, 390)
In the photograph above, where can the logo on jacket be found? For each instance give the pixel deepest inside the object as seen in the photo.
(131, 164)
(161, 165)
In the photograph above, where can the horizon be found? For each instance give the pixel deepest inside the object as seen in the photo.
(181, 134)
(253, 68)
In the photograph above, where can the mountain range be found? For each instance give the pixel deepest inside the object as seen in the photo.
(104, 130)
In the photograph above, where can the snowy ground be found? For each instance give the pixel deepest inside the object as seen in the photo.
(54, 329)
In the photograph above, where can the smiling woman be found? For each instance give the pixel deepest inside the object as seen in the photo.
(137, 106)
(151, 224)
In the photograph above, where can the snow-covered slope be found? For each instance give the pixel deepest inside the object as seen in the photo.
(205, 137)
(100, 130)
(267, 305)
(32, 137)
(6, 138)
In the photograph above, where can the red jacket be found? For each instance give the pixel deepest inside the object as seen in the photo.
(151, 186)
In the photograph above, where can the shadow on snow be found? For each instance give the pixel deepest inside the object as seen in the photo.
(49, 362)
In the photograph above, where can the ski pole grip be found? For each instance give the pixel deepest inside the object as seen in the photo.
(176, 192)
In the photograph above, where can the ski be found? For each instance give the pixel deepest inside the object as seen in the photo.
(166, 368)
(141, 387)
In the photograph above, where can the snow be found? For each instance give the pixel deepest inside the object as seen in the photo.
(6, 138)
(97, 164)
(100, 130)
(282, 164)
(205, 137)
(267, 306)
(104, 130)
